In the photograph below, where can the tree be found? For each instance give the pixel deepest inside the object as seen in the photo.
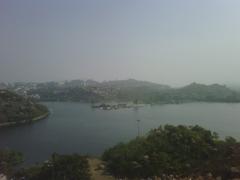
(180, 150)
(58, 167)
(9, 160)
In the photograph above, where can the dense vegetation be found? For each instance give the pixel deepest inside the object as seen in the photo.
(198, 92)
(15, 108)
(58, 167)
(9, 160)
(173, 150)
(133, 90)
(67, 94)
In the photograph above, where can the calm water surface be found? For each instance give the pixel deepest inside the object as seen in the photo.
(76, 127)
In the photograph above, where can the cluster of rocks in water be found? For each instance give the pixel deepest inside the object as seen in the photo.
(104, 106)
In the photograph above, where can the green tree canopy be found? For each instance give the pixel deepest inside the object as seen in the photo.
(58, 167)
(170, 149)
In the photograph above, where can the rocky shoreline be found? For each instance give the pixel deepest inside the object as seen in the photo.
(8, 124)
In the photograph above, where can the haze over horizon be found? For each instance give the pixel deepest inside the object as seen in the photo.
(164, 41)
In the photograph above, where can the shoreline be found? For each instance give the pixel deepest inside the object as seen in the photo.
(8, 124)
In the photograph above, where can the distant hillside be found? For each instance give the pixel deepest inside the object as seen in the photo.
(199, 92)
(16, 109)
(208, 92)
(235, 87)
(79, 94)
(130, 90)
(93, 91)
(132, 83)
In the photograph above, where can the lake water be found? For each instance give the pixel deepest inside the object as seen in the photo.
(76, 127)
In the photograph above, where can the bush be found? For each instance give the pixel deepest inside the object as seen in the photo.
(9, 160)
(59, 167)
(177, 150)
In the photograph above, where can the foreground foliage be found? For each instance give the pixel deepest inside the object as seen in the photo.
(9, 160)
(59, 167)
(177, 150)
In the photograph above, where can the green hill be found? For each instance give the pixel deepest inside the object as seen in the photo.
(16, 109)
(133, 90)
(198, 92)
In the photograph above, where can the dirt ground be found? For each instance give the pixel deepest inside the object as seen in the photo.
(96, 169)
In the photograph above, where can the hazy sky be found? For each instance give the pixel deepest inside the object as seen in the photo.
(166, 41)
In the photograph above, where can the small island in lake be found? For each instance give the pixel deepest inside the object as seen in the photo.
(15, 109)
(115, 106)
